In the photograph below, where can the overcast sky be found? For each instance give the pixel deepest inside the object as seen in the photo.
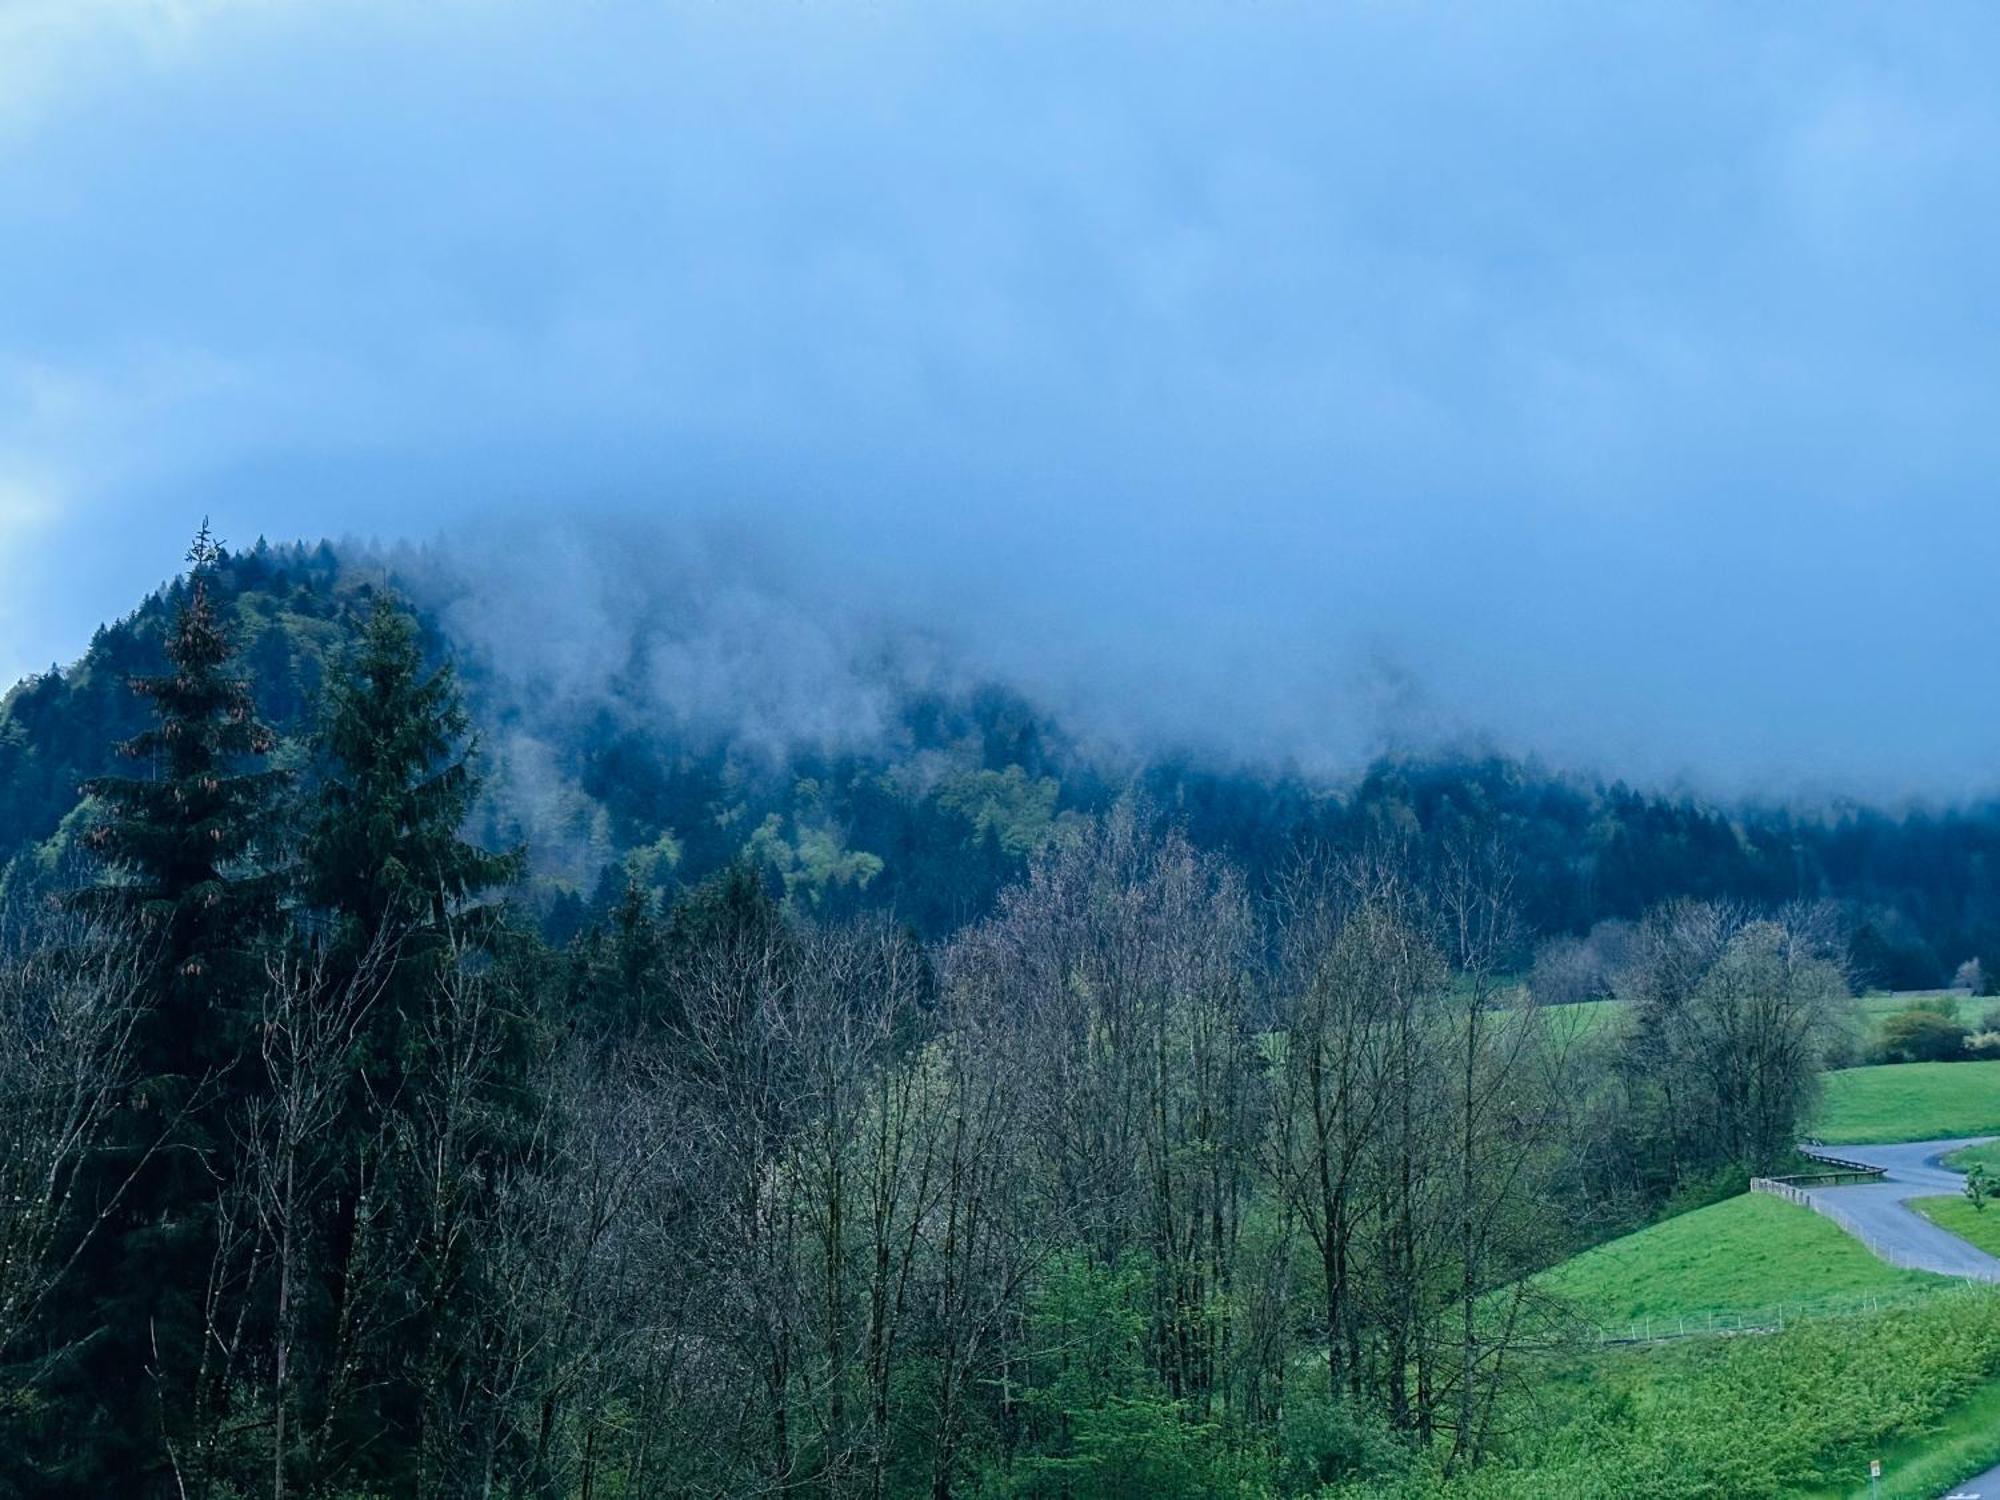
(1617, 379)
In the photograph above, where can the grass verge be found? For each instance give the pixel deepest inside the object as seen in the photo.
(1753, 1418)
(1987, 1156)
(1955, 1214)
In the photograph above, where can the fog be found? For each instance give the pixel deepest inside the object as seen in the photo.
(1287, 382)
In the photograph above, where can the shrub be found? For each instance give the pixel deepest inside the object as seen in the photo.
(1924, 1035)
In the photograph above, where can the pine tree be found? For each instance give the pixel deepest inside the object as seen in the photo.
(393, 886)
(183, 849)
(385, 849)
(185, 845)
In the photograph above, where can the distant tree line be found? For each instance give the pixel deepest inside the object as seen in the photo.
(965, 788)
(330, 1173)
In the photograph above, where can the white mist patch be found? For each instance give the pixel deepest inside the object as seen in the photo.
(699, 635)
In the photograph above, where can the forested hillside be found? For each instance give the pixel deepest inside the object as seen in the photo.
(933, 816)
(960, 1118)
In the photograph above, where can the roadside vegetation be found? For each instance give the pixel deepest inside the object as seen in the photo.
(1954, 1213)
(1749, 1417)
(1927, 1462)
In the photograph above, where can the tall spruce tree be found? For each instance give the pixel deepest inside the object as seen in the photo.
(183, 848)
(393, 886)
(385, 850)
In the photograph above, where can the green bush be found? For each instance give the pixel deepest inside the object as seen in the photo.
(1100, 1425)
(1923, 1036)
(1326, 1440)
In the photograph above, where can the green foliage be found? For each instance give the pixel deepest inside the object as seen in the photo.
(815, 863)
(524, 1291)
(281, 607)
(1325, 1439)
(1102, 1427)
(397, 786)
(1009, 806)
(1967, 1157)
(966, 785)
(1928, 1461)
(1737, 1418)
(651, 867)
(184, 847)
(1910, 1102)
(1922, 1035)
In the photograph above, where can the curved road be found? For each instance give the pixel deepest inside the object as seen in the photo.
(1981, 1487)
(1877, 1214)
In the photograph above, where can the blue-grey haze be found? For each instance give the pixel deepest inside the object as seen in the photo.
(1617, 380)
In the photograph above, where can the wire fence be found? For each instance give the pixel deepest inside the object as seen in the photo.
(1726, 1322)
(1901, 1259)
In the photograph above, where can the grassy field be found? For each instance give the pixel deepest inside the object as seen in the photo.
(1586, 1016)
(1987, 1156)
(1977, 1226)
(1870, 1010)
(1746, 1254)
(1910, 1102)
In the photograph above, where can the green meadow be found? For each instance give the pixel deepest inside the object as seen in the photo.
(1909, 1102)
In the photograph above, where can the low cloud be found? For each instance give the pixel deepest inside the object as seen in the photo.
(1287, 382)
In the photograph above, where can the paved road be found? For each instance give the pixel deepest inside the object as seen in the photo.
(1877, 1215)
(1982, 1487)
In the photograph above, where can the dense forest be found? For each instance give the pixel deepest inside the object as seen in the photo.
(1026, 1128)
(964, 786)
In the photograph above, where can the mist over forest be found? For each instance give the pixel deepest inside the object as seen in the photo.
(656, 703)
(878, 750)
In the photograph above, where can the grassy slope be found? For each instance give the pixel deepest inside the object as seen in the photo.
(1976, 1226)
(1745, 1254)
(1987, 1156)
(1910, 1102)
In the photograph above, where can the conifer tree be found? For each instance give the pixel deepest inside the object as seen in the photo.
(395, 887)
(183, 849)
(385, 848)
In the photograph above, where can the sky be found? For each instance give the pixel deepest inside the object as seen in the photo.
(1295, 379)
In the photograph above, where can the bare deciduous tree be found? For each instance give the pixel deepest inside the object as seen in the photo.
(71, 989)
